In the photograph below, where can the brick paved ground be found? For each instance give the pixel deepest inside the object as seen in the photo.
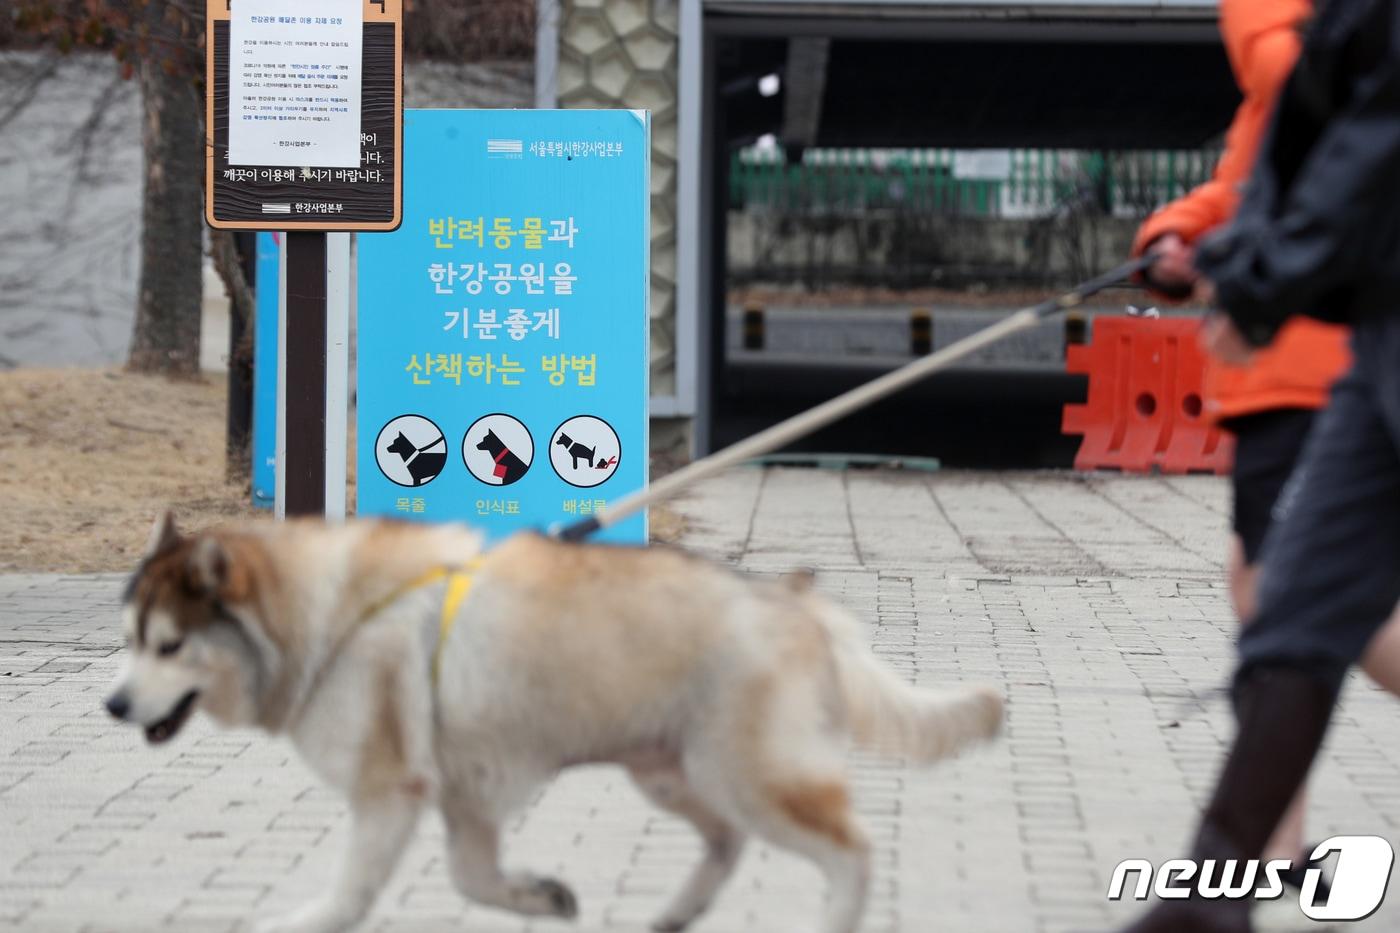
(1097, 602)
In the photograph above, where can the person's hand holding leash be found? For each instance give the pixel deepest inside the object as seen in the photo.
(1173, 272)
(1175, 262)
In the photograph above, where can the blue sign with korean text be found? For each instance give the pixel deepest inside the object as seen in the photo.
(265, 369)
(502, 349)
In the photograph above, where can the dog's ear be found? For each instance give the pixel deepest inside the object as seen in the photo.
(208, 567)
(163, 534)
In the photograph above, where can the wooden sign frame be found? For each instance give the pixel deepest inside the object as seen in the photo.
(233, 203)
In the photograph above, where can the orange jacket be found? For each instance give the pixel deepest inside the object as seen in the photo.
(1299, 367)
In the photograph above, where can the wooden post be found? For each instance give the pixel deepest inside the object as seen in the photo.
(305, 463)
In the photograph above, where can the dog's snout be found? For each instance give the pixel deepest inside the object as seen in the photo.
(118, 705)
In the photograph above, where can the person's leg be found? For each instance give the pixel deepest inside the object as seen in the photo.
(1287, 840)
(1268, 446)
(1382, 660)
(1330, 578)
(1242, 577)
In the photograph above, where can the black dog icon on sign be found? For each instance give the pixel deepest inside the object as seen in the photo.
(585, 451)
(422, 464)
(509, 467)
(576, 450)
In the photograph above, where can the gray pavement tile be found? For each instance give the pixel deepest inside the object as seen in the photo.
(1096, 601)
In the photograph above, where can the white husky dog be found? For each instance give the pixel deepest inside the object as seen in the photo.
(412, 669)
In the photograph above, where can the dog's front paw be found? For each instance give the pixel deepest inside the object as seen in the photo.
(546, 897)
(316, 917)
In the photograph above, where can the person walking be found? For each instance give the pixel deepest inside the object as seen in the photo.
(1268, 398)
(1317, 232)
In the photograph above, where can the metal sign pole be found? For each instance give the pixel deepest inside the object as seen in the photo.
(279, 447)
(337, 370)
(314, 333)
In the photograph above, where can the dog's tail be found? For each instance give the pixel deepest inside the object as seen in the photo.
(887, 715)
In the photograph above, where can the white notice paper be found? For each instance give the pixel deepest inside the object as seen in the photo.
(294, 82)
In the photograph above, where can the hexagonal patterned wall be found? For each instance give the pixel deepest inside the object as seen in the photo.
(622, 53)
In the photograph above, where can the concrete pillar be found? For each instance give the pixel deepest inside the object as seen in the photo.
(623, 53)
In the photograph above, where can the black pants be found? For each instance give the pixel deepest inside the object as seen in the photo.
(1268, 446)
(1331, 563)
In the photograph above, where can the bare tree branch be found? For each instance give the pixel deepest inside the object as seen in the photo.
(85, 134)
(224, 251)
(26, 93)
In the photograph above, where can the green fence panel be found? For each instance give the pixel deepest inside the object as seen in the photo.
(923, 180)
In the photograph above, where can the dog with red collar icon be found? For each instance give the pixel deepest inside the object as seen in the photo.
(509, 467)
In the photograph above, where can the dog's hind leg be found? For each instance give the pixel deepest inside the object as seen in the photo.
(808, 813)
(777, 768)
(380, 830)
(667, 788)
(812, 816)
(473, 853)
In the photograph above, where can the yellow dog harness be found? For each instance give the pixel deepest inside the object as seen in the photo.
(459, 584)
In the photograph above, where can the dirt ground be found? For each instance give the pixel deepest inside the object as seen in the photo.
(89, 457)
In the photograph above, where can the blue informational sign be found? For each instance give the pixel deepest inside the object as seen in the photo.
(265, 371)
(502, 349)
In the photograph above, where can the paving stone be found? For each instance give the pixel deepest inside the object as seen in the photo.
(1096, 602)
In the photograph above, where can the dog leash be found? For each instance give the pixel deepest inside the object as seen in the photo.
(459, 584)
(804, 423)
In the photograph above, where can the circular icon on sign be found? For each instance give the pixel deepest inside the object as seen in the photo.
(584, 451)
(410, 451)
(497, 449)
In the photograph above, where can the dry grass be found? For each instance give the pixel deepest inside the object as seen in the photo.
(89, 457)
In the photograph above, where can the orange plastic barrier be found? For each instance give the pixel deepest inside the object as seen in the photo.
(1144, 408)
